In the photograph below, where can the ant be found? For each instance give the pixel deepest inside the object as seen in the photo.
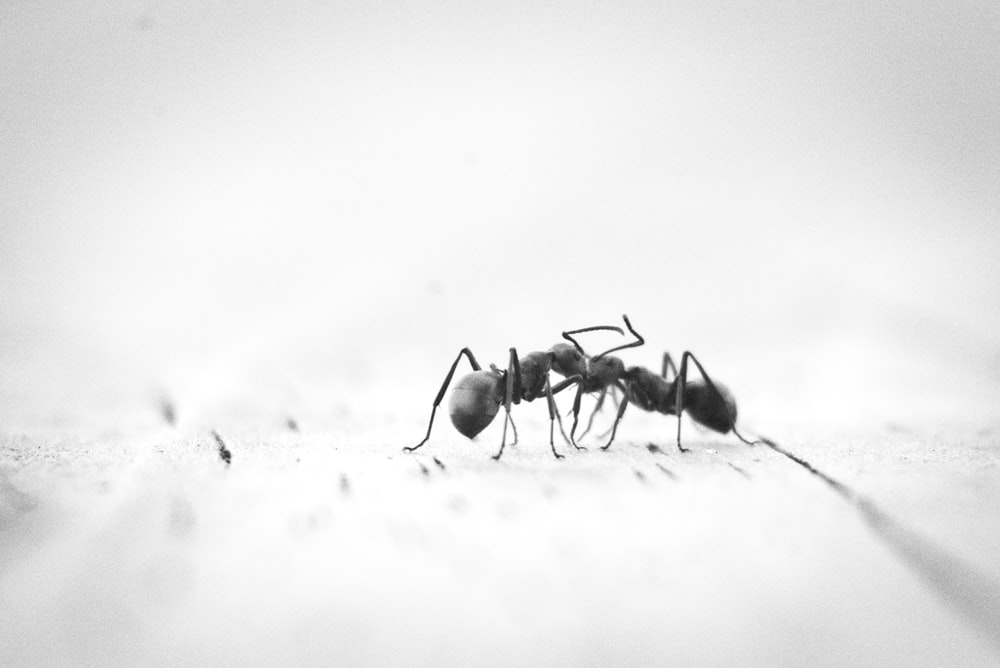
(477, 396)
(600, 372)
(708, 403)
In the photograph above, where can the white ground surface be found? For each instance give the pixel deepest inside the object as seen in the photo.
(331, 547)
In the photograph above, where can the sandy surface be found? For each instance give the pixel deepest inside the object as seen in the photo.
(334, 547)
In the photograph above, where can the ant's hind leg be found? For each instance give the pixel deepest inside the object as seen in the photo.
(444, 388)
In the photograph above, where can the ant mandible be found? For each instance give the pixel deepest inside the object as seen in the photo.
(477, 396)
(708, 403)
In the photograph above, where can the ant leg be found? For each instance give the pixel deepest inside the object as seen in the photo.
(576, 413)
(566, 382)
(599, 407)
(593, 413)
(614, 398)
(515, 363)
(621, 411)
(562, 385)
(668, 364)
(559, 387)
(508, 398)
(681, 383)
(444, 387)
(552, 414)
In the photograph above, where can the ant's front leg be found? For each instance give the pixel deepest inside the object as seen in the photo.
(553, 413)
(513, 371)
(599, 407)
(576, 413)
(559, 387)
(618, 418)
(444, 388)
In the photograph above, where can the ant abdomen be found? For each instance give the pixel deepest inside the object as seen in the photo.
(708, 408)
(475, 401)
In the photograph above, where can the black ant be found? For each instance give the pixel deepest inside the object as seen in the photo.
(600, 372)
(477, 396)
(708, 403)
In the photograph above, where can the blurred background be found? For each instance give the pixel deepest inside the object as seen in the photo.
(313, 206)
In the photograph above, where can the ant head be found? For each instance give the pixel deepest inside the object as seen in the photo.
(567, 360)
(607, 368)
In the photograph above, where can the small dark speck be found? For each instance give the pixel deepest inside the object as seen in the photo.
(168, 411)
(224, 453)
(739, 470)
(640, 475)
(292, 424)
(670, 474)
(654, 448)
(440, 465)
(345, 484)
(423, 469)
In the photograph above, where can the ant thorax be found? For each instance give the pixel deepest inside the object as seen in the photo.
(649, 391)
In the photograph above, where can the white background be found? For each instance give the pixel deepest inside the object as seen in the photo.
(348, 193)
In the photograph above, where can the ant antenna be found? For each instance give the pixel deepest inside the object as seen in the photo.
(635, 344)
(595, 328)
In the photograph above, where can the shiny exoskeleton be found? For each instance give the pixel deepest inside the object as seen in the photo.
(477, 396)
(707, 402)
